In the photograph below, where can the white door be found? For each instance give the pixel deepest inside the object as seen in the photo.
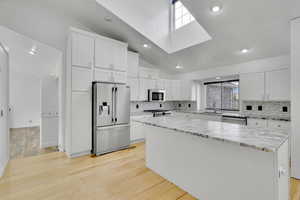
(82, 50)
(133, 64)
(169, 90)
(134, 89)
(176, 90)
(49, 110)
(278, 85)
(104, 53)
(252, 86)
(81, 122)
(4, 95)
(120, 57)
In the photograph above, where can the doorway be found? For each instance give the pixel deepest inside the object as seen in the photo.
(33, 87)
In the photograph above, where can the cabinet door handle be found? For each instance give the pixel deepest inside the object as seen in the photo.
(282, 172)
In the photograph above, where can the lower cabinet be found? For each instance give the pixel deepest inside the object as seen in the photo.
(280, 125)
(137, 132)
(257, 123)
(270, 124)
(81, 136)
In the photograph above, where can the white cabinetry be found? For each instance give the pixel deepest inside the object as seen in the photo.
(110, 54)
(81, 123)
(133, 64)
(252, 86)
(145, 85)
(110, 65)
(257, 123)
(266, 86)
(134, 89)
(148, 73)
(137, 132)
(186, 90)
(81, 79)
(278, 85)
(279, 125)
(169, 90)
(82, 50)
(176, 90)
(269, 124)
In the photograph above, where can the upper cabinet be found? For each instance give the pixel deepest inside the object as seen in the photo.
(82, 50)
(278, 85)
(148, 73)
(133, 64)
(252, 86)
(268, 86)
(110, 54)
(186, 90)
(134, 89)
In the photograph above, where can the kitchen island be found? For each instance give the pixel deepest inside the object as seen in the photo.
(214, 160)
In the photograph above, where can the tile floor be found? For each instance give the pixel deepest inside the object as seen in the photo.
(25, 142)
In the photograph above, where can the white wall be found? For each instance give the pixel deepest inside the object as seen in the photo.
(295, 93)
(4, 99)
(24, 100)
(262, 65)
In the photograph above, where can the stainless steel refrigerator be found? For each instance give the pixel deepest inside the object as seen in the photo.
(111, 117)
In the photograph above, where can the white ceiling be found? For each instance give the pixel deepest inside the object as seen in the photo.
(44, 63)
(153, 21)
(260, 25)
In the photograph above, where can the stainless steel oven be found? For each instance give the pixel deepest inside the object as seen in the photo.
(156, 95)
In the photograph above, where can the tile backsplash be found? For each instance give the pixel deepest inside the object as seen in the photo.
(268, 108)
(140, 106)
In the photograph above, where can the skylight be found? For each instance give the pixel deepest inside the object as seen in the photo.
(182, 16)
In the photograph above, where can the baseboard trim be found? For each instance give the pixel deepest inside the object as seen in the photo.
(76, 155)
(137, 141)
(3, 167)
(49, 144)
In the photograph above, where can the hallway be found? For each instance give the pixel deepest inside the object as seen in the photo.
(25, 142)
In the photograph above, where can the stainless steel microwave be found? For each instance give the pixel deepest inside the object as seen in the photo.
(156, 95)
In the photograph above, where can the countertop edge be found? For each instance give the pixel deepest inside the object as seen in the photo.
(265, 149)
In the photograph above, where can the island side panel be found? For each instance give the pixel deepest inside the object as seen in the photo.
(211, 169)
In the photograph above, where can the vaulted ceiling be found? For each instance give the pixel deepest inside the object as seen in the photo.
(260, 25)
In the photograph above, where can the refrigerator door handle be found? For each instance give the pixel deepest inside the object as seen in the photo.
(115, 104)
(108, 110)
(100, 109)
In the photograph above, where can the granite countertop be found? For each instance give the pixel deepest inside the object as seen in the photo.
(261, 139)
(253, 116)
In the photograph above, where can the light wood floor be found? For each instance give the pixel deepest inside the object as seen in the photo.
(117, 176)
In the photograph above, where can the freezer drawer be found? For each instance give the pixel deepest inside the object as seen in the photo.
(113, 138)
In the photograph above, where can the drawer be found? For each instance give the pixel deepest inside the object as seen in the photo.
(280, 125)
(257, 123)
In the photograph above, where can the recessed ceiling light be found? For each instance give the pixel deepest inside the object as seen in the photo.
(216, 8)
(244, 50)
(178, 67)
(33, 51)
(218, 77)
(108, 19)
(146, 46)
(6, 48)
